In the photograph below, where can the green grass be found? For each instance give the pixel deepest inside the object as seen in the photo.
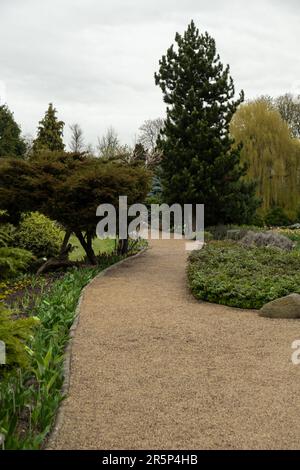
(100, 246)
(229, 274)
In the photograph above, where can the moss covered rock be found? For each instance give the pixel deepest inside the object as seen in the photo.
(286, 307)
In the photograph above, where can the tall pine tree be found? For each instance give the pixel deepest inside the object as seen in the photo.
(50, 132)
(200, 163)
(11, 142)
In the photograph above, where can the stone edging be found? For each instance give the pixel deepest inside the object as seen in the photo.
(68, 351)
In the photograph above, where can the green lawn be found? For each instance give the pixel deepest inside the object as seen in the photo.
(100, 246)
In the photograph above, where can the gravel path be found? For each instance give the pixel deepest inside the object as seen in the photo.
(154, 369)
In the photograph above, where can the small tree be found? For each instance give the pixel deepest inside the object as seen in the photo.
(28, 140)
(148, 137)
(139, 154)
(50, 133)
(68, 188)
(11, 142)
(77, 140)
(200, 164)
(289, 109)
(109, 145)
(149, 132)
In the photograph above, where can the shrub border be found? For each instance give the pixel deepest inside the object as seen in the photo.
(68, 351)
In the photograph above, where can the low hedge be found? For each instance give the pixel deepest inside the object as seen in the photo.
(227, 273)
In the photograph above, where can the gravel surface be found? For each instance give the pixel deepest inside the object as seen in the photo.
(152, 368)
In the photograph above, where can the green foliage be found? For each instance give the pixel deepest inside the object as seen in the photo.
(68, 188)
(293, 235)
(15, 333)
(289, 109)
(11, 142)
(208, 236)
(50, 133)
(34, 395)
(200, 164)
(6, 234)
(258, 220)
(38, 234)
(99, 247)
(229, 274)
(17, 192)
(14, 261)
(271, 153)
(12, 286)
(277, 217)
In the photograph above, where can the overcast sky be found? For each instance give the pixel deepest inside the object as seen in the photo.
(95, 59)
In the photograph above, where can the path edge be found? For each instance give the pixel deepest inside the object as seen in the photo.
(50, 438)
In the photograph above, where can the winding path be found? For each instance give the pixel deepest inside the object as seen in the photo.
(154, 369)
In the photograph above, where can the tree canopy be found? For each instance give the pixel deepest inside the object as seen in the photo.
(77, 139)
(272, 154)
(68, 188)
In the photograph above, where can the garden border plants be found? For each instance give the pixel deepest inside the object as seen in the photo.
(30, 398)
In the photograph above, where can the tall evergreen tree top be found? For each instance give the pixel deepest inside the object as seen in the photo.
(50, 132)
(194, 80)
(11, 142)
(199, 163)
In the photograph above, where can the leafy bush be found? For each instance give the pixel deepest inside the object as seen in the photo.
(229, 274)
(15, 334)
(9, 287)
(277, 217)
(258, 220)
(219, 232)
(13, 261)
(39, 235)
(208, 236)
(6, 234)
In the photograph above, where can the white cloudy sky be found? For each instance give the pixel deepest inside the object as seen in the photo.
(95, 59)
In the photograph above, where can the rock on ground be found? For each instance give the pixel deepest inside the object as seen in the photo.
(286, 307)
(267, 239)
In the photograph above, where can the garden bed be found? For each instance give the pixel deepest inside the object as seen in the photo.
(31, 395)
(227, 273)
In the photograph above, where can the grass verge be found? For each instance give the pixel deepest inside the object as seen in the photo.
(99, 246)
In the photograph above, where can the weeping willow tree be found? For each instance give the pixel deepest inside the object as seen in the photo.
(271, 152)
